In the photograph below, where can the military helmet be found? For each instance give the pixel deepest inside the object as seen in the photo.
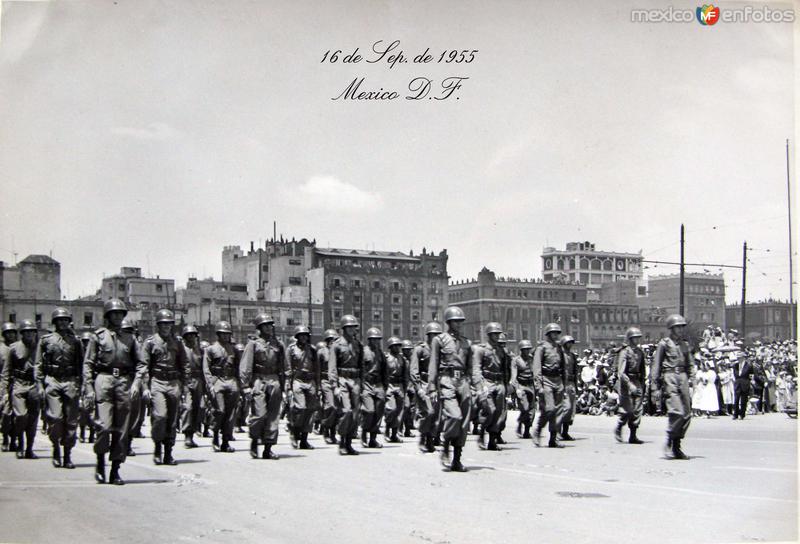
(9, 327)
(407, 344)
(165, 316)
(27, 325)
(552, 327)
(86, 336)
(374, 332)
(454, 313)
(494, 327)
(330, 333)
(633, 332)
(204, 344)
(321, 345)
(114, 305)
(189, 329)
(675, 320)
(525, 344)
(263, 318)
(502, 339)
(224, 326)
(433, 327)
(567, 338)
(127, 324)
(348, 320)
(60, 313)
(301, 329)
(394, 341)
(238, 347)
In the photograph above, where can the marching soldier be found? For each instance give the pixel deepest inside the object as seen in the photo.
(194, 402)
(220, 368)
(163, 370)
(373, 389)
(449, 374)
(59, 369)
(345, 367)
(548, 372)
(327, 423)
(18, 384)
(489, 370)
(10, 335)
(243, 406)
(85, 410)
(673, 372)
(263, 373)
(210, 415)
(426, 402)
(503, 342)
(630, 385)
(138, 405)
(397, 380)
(109, 382)
(570, 386)
(304, 383)
(409, 402)
(522, 382)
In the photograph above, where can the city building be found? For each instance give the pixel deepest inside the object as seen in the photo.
(608, 322)
(704, 298)
(764, 320)
(136, 290)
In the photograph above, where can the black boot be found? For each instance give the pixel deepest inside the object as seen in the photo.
(215, 441)
(499, 438)
(364, 441)
(632, 439)
(537, 437)
(20, 446)
(82, 435)
(430, 444)
(113, 476)
(254, 448)
(157, 455)
(373, 441)
(188, 441)
(13, 445)
(668, 448)
(57, 456)
(226, 447)
(349, 446)
(168, 459)
(68, 458)
(677, 453)
(343, 445)
(519, 430)
(493, 442)
(565, 433)
(100, 469)
(444, 458)
(396, 439)
(29, 446)
(476, 428)
(304, 444)
(5, 442)
(268, 453)
(408, 433)
(527, 432)
(618, 432)
(294, 438)
(332, 436)
(423, 443)
(130, 453)
(456, 465)
(91, 434)
(482, 439)
(553, 443)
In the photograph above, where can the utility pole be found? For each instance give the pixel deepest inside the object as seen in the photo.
(680, 295)
(310, 318)
(744, 290)
(791, 280)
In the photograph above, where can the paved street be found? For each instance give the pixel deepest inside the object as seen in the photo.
(739, 486)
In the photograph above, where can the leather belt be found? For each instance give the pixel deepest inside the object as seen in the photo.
(395, 382)
(494, 376)
(453, 373)
(304, 375)
(526, 383)
(166, 375)
(551, 374)
(59, 372)
(348, 372)
(117, 372)
(676, 370)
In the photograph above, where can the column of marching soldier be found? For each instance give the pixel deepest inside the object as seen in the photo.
(446, 384)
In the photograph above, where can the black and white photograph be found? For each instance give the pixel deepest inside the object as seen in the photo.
(398, 271)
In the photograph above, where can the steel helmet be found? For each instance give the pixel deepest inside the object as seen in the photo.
(262, 319)
(114, 305)
(330, 333)
(374, 332)
(322, 345)
(394, 341)
(238, 347)
(86, 336)
(224, 326)
(525, 344)
(348, 321)
(27, 325)
(502, 340)
(493, 327)
(165, 316)
(633, 332)
(60, 313)
(454, 313)
(8, 326)
(301, 329)
(675, 320)
(433, 327)
(407, 344)
(552, 327)
(567, 338)
(126, 325)
(204, 344)
(189, 329)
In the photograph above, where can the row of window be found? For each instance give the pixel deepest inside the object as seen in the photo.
(537, 294)
(377, 265)
(377, 298)
(616, 316)
(394, 285)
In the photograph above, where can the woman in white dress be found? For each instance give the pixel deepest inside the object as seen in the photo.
(706, 390)
(726, 385)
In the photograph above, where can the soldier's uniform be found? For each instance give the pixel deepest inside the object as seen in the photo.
(450, 369)
(373, 395)
(85, 409)
(263, 368)
(397, 380)
(425, 401)
(221, 368)
(672, 372)
(18, 383)
(193, 409)
(522, 381)
(304, 376)
(328, 416)
(59, 367)
(345, 367)
(164, 369)
(630, 386)
(568, 403)
(489, 369)
(410, 399)
(548, 381)
(6, 417)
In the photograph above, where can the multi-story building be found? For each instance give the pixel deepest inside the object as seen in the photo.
(523, 307)
(704, 297)
(765, 320)
(608, 321)
(136, 290)
(582, 263)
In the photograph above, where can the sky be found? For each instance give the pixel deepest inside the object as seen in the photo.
(152, 134)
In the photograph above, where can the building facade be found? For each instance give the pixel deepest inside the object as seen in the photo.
(136, 290)
(765, 320)
(704, 297)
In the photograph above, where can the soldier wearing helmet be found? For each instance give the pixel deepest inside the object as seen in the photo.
(425, 400)
(409, 403)
(522, 383)
(373, 389)
(548, 381)
(345, 368)
(450, 373)
(59, 369)
(568, 405)
(328, 415)
(489, 367)
(10, 335)
(263, 373)
(221, 372)
(138, 408)
(396, 383)
(193, 407)
(304, 383)
(673, 371)
(20, 388)
(109, 379)
(630, 385)
(84, 409)
(163, 372)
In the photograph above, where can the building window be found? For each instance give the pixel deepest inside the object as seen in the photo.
(574, 295)
(415, 300)
(159, 288)
(377, 315)
(377, 298)
(337, 313)
(337, 282)
(337, 296)
(607, 264)
(396, 315)
(585, 264)
(415, 316)
(397, 286)
(121, 286)
(88, 319)
(357, 299)
(397, 299)
(397, 331)
(295, 280)
(295, 262)
(357, 284)
(434, 316)
(414, 286)
(376, 284)
(433, 287)
(414, 332)
(38, 318)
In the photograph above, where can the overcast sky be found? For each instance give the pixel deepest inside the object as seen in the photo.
(137, 133)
